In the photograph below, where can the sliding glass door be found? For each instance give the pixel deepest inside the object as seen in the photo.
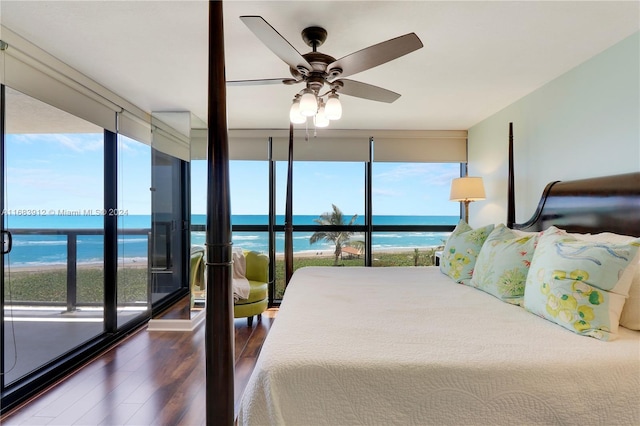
(169, 226)
(134, 229)
(53, 276)
(93, 226)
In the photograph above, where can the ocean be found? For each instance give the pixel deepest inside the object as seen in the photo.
(43, 250)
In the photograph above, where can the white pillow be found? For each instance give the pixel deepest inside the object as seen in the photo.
(503, 264)
(461, 251)
(578, 284)
(630, 317)
(521, 233)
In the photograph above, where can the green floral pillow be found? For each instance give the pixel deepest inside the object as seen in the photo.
(461, 250)
(579, 285)
(503, 264)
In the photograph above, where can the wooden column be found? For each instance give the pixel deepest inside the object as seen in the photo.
(511, 202)
(219, 336)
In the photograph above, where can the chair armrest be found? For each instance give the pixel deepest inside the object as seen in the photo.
(196, 269)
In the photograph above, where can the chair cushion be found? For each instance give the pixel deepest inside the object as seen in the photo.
(258, 291)
(250, 309)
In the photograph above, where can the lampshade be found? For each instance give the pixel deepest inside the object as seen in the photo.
(333, 109)
(294, 113)
(467, 189)
(308, 104)
(320, 119)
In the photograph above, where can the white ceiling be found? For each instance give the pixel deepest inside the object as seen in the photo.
(478, 56)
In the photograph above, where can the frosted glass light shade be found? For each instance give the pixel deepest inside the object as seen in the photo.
(333, 109)
(467, 189)
(321, 120)
(294, 114)
(308, 104)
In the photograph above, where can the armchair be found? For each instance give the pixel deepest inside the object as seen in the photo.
(196, 273)
(257, 272)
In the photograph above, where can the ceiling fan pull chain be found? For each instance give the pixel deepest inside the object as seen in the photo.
(306, 131)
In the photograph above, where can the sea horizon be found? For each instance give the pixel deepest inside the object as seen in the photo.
(49, 250)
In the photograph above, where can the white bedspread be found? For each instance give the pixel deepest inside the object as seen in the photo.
(408, 346)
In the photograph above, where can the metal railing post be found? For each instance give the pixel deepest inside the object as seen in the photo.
(72, 271)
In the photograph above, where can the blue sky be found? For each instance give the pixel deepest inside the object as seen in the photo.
(54, 172)
(399, 189)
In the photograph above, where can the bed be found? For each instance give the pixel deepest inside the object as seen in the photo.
(409, 345)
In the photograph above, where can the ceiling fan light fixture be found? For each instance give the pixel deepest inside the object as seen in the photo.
(333, 109)
(294, 113)
(320, 120)
(317, 69)
(308, 104)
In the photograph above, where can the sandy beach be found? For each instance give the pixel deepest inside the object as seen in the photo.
(141, 263)
(58, 266)
(386, 250)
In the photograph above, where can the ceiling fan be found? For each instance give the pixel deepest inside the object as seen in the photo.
(317, 70)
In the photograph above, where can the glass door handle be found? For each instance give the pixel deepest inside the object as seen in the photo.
(7, 242)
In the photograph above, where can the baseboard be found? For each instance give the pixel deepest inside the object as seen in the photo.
(177, 324)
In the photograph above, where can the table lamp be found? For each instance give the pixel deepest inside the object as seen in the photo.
(467, 189)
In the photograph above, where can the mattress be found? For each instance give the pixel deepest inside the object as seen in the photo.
(408, 346)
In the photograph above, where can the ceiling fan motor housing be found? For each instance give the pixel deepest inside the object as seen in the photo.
(314, 36)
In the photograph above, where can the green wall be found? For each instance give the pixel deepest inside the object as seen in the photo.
(585, 123)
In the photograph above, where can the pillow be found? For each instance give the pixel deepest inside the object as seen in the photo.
(521, 233)
(461, 250)
(580, 285)
(630, 317)
(503, 264)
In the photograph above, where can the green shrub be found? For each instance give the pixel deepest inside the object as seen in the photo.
(417, 257)
(50, 285)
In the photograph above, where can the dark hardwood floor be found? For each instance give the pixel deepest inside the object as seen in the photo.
(151, 378)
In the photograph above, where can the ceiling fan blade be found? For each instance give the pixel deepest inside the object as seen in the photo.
(367, 91)
(377, 54)
(264, 81)
(274, 41)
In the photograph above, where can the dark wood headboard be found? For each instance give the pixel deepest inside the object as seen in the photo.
(594, 205)
(602, 204)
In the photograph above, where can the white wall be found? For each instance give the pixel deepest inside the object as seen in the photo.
(585, 123)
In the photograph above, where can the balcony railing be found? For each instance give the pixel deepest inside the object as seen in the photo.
(71, 236)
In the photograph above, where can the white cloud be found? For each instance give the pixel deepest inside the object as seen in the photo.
(426, 173)
(385, 192)
(78, 144)
(74, 142)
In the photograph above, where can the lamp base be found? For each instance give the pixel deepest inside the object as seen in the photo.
(466, 210)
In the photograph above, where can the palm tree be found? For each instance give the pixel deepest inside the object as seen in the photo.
(336, 237)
